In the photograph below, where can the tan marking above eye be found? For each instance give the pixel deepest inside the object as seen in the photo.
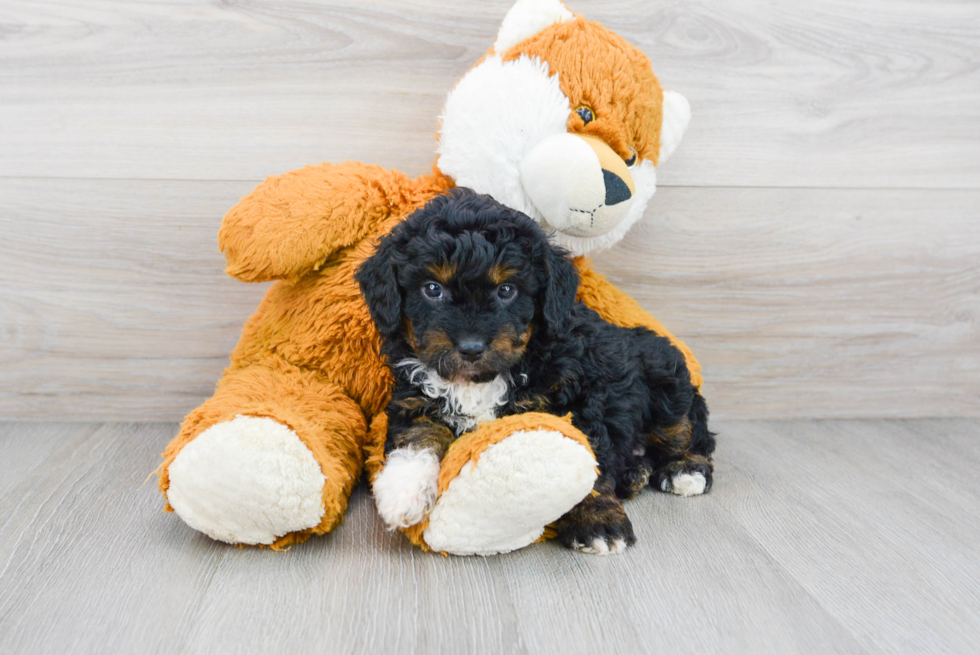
(443, 273)
(498, 274)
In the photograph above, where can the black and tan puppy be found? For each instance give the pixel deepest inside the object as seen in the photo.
(479, 320)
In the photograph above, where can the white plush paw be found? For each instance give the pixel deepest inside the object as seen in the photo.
(600, 546)
(247, 481)
(687, 484)
(406, 488)
(517, 487)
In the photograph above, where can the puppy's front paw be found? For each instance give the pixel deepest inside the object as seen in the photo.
(605, 538)
(598, 526)
(602, 546)
(406, 488)
(634, 480)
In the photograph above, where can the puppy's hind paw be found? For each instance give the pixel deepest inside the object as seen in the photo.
(406, 489)
(688, 484)
(685, 479)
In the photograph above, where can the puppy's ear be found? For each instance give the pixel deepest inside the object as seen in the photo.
(560, 289)
(379, 285)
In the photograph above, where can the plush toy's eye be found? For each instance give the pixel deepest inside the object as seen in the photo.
(432, 291)
(585, 114)
(632, 160)
(506, 292)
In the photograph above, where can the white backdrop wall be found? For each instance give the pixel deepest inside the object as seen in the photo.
(816, 238)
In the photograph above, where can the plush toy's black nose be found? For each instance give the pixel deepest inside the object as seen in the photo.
(616, 189)
(471, 349)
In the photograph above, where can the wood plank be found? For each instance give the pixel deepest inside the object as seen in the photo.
(819, 303)
(88, 561)
(870, 518)
(359, 590)
(24, 446)
(113, 293)
(830, 303)
(814, 94)
(694, 583)
(819, 536)
(375, 594)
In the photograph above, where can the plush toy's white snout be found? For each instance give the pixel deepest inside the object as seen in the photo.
(578, 183)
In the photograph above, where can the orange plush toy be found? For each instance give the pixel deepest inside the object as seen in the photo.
(561, 119)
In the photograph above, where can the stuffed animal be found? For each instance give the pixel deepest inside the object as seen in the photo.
(562, 120)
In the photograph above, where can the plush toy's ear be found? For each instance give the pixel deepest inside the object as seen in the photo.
(379, 286)
(526, 18)
(561, 287)
(677, 115)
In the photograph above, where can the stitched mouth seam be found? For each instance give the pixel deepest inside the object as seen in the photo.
(591, 213)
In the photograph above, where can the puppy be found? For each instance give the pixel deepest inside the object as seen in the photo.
(478, 320)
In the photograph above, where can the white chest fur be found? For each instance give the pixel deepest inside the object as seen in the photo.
(465, 404)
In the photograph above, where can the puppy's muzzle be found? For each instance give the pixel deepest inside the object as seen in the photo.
(578, 183)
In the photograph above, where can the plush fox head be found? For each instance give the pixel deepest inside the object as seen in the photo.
(562, 120)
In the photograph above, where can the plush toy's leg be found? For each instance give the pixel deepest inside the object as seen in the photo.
(503, 484)
(270, 459)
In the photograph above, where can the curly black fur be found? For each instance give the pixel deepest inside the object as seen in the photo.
(628, 390)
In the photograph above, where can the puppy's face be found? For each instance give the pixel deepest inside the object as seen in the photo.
(475, 323)
(463, 283)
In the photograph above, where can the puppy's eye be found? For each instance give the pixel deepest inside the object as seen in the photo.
(632, 160)
(585, 114)
(432, 291)
(506, 292)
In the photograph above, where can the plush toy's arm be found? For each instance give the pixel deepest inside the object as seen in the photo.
(616, 307)
(291, 223)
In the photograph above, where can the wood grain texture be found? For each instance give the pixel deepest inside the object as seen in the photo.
(819, 537)
(87, 563)
(803, 294)
(815, 94)
(881, 505)
(819, 303)
(25, 446)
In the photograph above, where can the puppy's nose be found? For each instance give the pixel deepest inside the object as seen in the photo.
(471, 349)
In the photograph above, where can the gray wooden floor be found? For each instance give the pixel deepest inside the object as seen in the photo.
(820, 537)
